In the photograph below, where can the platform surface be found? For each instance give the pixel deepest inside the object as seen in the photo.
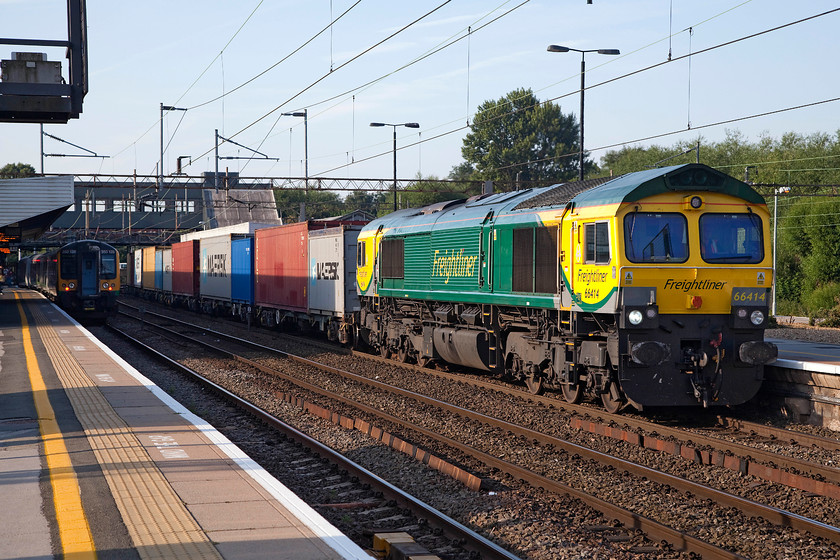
(96, 461)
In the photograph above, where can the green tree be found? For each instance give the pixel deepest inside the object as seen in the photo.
(16, 171)
(517, 137)
(430, 190)
(318, 204)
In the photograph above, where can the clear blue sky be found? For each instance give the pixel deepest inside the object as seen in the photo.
(146, 53)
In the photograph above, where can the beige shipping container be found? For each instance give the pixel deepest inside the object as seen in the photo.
(149, 268)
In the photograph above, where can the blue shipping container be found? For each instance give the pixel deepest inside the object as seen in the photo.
(159, 270)
(242, 281)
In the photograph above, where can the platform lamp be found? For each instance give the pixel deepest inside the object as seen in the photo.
(394, 126)
(558, 48)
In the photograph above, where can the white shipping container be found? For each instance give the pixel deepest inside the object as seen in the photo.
(216, 263)
(137, 281)
(332, 271)
(167, 270)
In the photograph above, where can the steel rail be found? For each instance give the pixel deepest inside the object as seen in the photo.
(781, 434)
(827, 473)
(469, 539)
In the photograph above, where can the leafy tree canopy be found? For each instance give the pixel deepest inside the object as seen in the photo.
(518, 135)
(16, 171)
(324, 204)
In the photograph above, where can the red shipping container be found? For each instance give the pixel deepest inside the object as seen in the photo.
(281, 266)
(185, 268)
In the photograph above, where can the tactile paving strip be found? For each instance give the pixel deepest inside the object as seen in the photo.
(160, 525)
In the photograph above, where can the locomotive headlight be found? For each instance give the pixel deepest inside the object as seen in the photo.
(650, 313)
(71, 285)
(696, 202)
(105, 285)
(742, 313)
(635, 317)
(756, 317)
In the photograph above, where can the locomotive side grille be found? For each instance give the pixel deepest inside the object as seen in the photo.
(393, 263)
(546, 260)
(523, 260)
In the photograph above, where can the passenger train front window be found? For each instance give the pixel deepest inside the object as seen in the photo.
(731, 238)
(655, 237)
(108, 265)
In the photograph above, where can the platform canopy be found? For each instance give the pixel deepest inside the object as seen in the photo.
(28, 207)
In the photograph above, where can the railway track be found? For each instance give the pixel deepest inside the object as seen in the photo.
(792, 458)
(749, 508)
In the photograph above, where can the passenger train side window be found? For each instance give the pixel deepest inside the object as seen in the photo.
(597, 241)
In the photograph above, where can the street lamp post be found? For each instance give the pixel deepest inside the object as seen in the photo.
(394, 126)
(162, 109)
(305, 141)
(558, 48)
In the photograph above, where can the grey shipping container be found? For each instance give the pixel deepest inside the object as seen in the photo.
(167, 270)
(332, 271)
(216, 267)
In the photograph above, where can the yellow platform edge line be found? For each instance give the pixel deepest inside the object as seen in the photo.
(73, 527)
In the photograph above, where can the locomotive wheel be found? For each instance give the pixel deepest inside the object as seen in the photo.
(404, 353)
(384, 351)
(612, 399)
(572, 392)
(534, 384)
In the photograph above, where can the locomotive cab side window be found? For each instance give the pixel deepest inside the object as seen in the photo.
(361, 255)
(731, 238)
(651, 237)
(597, 242)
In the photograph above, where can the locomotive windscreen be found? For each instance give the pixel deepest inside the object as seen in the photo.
(655, 237)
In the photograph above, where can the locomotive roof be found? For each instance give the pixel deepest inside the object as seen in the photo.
(692, 177)
(631, 187)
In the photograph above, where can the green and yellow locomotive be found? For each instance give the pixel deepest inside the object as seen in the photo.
(650, 289)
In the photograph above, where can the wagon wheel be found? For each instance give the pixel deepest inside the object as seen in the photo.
(384, 350)
(572, 392)
(613, 399)
(534, 383)
(423, 361)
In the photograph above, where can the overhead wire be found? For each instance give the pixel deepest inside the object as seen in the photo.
(450, 41)
(330, 73)
(282, 60)
(627, 75)
(157, 122)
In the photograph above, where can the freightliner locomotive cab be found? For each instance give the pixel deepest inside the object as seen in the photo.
(649, 289)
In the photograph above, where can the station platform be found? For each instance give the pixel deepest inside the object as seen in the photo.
(98, 462)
